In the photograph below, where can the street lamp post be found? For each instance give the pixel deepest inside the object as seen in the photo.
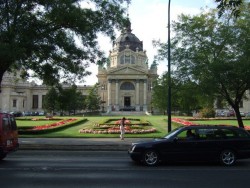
(169, 71)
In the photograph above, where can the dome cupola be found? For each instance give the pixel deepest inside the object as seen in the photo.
(128, 40)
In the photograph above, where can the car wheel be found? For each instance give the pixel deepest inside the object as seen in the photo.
(151, 158)
(227, 157)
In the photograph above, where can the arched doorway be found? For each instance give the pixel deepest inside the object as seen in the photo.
(127, 87)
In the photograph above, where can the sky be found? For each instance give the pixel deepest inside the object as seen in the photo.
(149, 22)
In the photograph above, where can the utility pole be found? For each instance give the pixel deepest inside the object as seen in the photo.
(169, 71)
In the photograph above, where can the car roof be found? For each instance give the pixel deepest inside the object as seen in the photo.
(210, 126)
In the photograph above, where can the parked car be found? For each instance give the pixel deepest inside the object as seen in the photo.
(17, 113)
(8, 134)
(224, 144)
(242, 114)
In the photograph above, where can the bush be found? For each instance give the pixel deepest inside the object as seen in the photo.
(207, 113)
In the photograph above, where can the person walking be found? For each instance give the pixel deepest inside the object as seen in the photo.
(122, 128)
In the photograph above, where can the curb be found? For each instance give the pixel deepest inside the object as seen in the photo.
(74, 147)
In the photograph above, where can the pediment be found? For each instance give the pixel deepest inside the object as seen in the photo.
(127, 71)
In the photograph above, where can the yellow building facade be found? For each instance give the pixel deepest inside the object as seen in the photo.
(126, 81)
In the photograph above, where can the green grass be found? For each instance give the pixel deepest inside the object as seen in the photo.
(30, 123)
(222, 122)
(158, 122)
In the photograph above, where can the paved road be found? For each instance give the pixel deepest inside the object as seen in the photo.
(99, 144)
(94, 169)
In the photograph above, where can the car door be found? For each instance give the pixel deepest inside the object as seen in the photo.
(180, 148)
(208, 145)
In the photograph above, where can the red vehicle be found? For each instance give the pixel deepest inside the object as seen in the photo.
(8, 134)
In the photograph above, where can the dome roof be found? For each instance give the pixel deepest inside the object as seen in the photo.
(128, 40)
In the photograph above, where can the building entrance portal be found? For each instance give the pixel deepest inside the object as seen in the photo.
(127, 105)
(127, 102)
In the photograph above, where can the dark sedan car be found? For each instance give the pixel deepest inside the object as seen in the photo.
(225, 144)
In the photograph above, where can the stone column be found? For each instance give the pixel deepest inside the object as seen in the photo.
(145, 96)
(117, 107)
(109, 106)
(40, 100)
(137, 97)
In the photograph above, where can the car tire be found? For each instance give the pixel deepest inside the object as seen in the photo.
(227, 157)
(151, 158)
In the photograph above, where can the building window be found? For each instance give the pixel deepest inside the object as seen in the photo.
(127, 59)
(14, 103)
(35, 101)
(127, 86)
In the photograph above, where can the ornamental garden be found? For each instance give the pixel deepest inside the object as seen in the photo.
(140, 127)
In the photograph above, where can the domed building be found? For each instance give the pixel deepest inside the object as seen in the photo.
(126, 81)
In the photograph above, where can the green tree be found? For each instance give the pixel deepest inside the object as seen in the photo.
(214, 54)
(93, 100)
(50, 100)
(55, 39)
(70, 100)
(232, 5)
(186, 96)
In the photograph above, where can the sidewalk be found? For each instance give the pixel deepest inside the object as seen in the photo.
(88, 144)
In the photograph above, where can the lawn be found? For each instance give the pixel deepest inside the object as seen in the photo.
(158, 122)
(222, 122)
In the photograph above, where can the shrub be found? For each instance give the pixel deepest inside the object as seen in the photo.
(207, 113)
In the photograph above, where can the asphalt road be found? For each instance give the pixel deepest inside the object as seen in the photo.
(94, 169)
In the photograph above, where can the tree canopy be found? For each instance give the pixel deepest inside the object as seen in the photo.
(214, 54)
(55, 39)
(232, 5)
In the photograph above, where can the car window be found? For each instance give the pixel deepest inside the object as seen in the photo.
(228, 133)
(207, 134)
(173, 132)
(13, 123)
(241, 133)
(221, 133)
(5, 124)
(187, 134)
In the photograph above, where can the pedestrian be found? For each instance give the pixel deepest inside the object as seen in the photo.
(122, 128)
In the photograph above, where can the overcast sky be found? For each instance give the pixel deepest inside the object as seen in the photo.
(148, 22)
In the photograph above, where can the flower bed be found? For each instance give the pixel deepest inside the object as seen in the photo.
(51, 127)
(188, 123)
(183, 122)
(115, 128)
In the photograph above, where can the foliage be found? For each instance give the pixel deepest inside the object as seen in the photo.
(93, 100)
(56, 39)
(70, 99)
(186, 96)
(213, 54)
(207, 112)
(232, 5)
(64, 99)
(50, 100)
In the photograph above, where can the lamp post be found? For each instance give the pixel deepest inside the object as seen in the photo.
(169, 71)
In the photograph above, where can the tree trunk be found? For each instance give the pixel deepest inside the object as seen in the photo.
(239, 118)
(1, 78)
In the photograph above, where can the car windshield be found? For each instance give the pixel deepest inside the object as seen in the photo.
(171, 133)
